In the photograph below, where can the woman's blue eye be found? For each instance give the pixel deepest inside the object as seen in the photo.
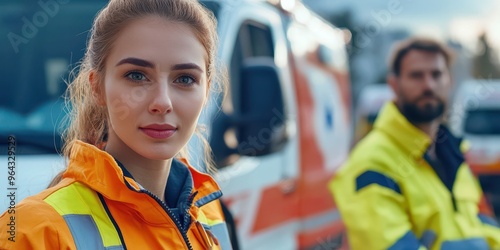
(185, 80)
(136, 76)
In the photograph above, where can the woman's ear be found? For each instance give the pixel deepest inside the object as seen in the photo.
(96, 87)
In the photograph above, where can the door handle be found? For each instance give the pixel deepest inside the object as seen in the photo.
(288, 186)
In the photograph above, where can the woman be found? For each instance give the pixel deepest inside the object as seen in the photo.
(135, 104)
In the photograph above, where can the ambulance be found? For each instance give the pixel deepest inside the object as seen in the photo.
(278, 137)
(475, 115)
(285, 126)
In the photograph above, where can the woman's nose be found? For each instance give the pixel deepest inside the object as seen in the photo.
(161, 102)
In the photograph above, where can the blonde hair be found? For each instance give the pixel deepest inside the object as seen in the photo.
(88, 120)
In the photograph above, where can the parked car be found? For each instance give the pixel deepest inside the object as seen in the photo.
(280, 135)
(41, 41)
(475, 114)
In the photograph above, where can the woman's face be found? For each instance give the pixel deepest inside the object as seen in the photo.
(155, 86)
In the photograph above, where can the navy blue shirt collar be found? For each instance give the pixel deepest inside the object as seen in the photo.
(179, 184)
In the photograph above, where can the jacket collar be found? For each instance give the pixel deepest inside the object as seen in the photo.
(99, 170)
(413, 141)
(179, 184)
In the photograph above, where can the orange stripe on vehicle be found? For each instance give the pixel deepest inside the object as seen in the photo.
(275, 208)
(485, 169)
(345, 89)
(485, 207)
(315, 196)
(310, 154)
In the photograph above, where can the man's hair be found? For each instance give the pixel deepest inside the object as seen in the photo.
(401, 49)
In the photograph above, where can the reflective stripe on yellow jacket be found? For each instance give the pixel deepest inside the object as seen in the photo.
(96, 207)
(390, 196)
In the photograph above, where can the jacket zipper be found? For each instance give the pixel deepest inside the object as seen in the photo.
(186, 211)
(170, 213)
(454, 201)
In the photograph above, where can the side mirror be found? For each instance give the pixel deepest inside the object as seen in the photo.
(260, 124)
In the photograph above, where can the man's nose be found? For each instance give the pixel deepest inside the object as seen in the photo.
(429, 82)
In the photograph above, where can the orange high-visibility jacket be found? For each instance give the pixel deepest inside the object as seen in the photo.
(96, 206)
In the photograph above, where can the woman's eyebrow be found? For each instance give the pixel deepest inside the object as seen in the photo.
(136, 61)
(186, 66)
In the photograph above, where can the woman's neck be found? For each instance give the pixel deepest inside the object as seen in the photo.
(151, 174)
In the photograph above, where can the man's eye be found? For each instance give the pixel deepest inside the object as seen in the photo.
(185, 80)
(136, 76)
(437, 74)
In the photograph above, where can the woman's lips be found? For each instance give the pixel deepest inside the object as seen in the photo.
(159, 131)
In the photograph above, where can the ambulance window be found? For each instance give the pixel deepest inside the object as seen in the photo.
(254, 40)
(483, 122)
(262, 43)
(38, 49)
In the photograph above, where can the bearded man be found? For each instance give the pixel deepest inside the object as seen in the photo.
(406, 185)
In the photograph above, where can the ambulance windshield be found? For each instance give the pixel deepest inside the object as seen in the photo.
(483, 122)
(41, 41)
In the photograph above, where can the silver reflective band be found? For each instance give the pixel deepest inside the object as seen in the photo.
(85, 233)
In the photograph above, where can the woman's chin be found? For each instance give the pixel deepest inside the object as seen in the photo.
(158, 153)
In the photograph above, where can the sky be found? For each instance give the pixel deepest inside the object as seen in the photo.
(460, 20)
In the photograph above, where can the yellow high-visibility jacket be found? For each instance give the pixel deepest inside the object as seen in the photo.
(392, 196)
(97, 206)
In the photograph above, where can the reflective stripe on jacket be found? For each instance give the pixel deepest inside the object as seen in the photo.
(391, 196)
(96, 207)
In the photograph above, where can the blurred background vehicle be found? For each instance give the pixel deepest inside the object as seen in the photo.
(475, 115)
(284, 128)
(40, 42)
(371, 99)
(317, 74)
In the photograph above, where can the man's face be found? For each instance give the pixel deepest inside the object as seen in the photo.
(423, 86)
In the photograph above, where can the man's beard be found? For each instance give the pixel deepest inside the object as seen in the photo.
(425, 114)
